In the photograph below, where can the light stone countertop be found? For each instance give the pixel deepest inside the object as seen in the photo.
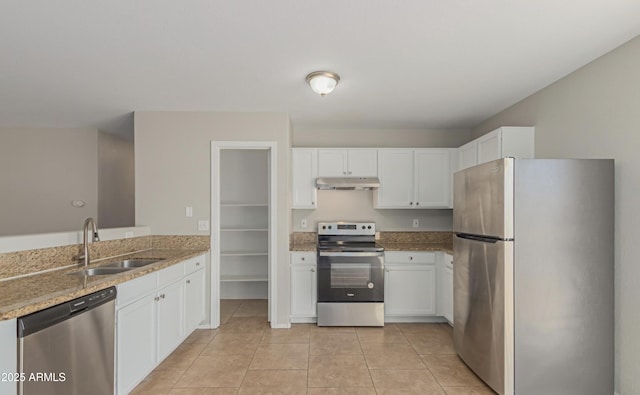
(25, 295)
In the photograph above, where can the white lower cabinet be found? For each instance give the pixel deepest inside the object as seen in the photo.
(447, 288)
(410, 284)
(154, 314)
(8, 357)
(170, 315)
(194, 291)
(304, 282)
(136, 343)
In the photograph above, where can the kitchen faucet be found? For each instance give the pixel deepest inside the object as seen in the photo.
(87, 222)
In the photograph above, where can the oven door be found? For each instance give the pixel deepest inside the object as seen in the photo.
(350, 276)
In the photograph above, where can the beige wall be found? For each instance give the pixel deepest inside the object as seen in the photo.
(358, 205)
(41, 172)
(172, 166)
(595, 113)
(116, 187)
(314, 136)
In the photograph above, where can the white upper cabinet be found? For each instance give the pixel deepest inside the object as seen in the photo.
(414, 178)
(468, 155)
(347, 162)
(507, 141)
(304, 168)
(395, 170)
(432, 178)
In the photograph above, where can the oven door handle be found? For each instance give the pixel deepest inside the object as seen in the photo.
(351, 254)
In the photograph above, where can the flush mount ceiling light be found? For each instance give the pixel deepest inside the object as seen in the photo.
(323, 82)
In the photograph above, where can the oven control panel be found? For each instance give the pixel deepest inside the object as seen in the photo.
(347, 228)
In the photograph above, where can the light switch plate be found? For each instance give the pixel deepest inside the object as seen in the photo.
(416, 223)
(188, 211)
(303, 223)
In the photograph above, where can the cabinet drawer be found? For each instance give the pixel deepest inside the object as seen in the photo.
(303, 258)
(170, 274)
(194, 264)
(136, 288)
(410, 257)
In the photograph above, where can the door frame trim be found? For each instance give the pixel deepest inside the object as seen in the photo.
(216, 148)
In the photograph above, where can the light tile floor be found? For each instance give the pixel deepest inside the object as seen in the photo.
(246, 356)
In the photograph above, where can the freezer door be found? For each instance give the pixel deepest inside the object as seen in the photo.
(481, 272)
(483, 199)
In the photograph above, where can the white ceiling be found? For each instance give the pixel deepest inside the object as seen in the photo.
(403, 63)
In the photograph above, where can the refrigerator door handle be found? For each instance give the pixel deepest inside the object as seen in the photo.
(482, 239)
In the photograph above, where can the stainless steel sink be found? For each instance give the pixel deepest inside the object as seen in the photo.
(132, 263)
(99, 271)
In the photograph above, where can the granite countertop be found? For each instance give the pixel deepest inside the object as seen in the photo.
(25, 295)
(445, 247)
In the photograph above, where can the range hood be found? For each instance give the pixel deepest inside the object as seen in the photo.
(347, 183)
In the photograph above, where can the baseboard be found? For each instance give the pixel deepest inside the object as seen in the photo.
(281, 326)
(415, 319)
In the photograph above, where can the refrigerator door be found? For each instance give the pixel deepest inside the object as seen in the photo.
(483, 199)
(481, 271)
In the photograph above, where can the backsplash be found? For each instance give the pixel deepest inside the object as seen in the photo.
(416, 237)
(385, 237)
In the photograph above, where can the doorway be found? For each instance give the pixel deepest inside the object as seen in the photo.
(243, 247)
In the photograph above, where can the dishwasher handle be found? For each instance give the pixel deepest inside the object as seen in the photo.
(42, 319)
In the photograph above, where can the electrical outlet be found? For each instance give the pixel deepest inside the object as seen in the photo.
(128, 234)
(303, 223)
(416, 223)
(203, 224)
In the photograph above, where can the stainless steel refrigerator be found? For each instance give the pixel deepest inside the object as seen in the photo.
(534, 274)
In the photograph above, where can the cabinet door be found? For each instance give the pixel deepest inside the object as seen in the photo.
(304, 170)
(332, 163)
(8, 356)
(170, 318)
(432, 178)
(303, 291)
(135, 343)
(410, 290)
(490, 146)
(194, 301)
(468, 155)
(395, 170)
(362, 162)
(447, 294)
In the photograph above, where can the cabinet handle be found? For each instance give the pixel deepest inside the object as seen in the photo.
(344, 172)
(197, 263)
(302, 258)
(417, 203)
(156, 298)
(410, 258)
(313, 270)
(411, 203)
(188, 281)
(313, 203)
(162, 296)
(349, 172)
(386, 270)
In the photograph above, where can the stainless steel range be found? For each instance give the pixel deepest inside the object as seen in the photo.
(350, 275)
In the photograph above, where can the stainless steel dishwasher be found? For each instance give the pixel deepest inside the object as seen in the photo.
(69, 348)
